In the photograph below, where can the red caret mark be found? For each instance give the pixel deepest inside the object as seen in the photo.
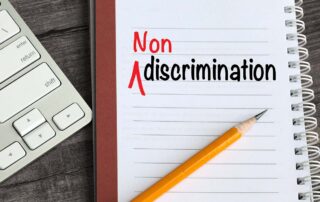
(136, 74)
(154, 46)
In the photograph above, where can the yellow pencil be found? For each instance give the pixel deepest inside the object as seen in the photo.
(196, 161)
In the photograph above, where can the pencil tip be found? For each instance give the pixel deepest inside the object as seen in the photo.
(258, 116)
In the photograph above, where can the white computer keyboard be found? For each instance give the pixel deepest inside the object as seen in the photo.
(39, 107)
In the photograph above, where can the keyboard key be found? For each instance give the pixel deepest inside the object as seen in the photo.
(39, 136)
(16, 57)
(10, 155)
(8, 28)
(29, 122)
(68, 116)
(27, 90)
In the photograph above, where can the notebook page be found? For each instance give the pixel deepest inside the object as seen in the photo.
(175, 119)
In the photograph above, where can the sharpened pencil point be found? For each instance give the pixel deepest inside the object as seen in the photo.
(258, 116)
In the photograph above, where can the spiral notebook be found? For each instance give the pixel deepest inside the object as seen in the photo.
(146, 128)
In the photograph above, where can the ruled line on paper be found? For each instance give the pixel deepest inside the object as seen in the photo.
(222, 108)
(185, 121)
(204, 94)
(211, 81)
(177, 135)
(190, 149)
(208, 192)
(206, 54)
(214, 41)
(220, 41)
(216, 164)
(215, 178)
(200, 28)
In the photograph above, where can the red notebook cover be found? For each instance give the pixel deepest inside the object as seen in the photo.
(105, 103)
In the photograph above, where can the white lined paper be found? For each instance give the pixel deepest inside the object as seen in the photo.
(176, 119)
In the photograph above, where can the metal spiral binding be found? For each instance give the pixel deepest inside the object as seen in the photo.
(308, 108)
